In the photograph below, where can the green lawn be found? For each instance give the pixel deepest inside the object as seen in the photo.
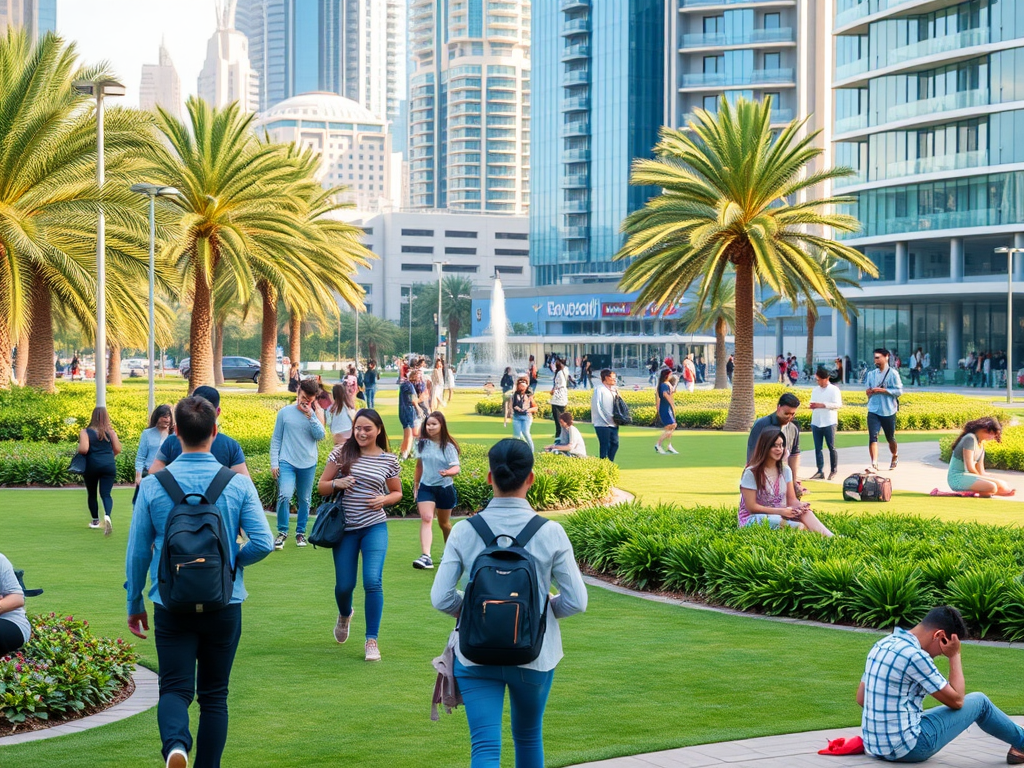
(637, 677)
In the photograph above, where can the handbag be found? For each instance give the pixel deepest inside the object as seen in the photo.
(329, 528)
(78, 464)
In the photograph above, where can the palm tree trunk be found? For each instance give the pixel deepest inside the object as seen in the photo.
(741, 404)
(268, 342)
(453, 337)
(6, 370)
(114, 366)
(40, 373)
(218, 353)
(721, 378)
(812, 320)
(294, 336)
(21, 364)
(199, 337)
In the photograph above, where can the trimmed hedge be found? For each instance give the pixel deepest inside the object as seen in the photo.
(886, 569)
(708, 409)
(1008, 454)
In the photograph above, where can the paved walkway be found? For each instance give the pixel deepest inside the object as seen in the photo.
(972, 749)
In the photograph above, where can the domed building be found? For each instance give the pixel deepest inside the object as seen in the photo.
(354, 145)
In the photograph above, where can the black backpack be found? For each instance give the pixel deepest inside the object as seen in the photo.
(195, 572)
(620, 411)
(865, 486)
(503, 621)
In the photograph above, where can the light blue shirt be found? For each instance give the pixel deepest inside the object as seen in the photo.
(239, 504)
(149, 446)
(9, 586)
(433, 460)
(295, 438)
(884, 405)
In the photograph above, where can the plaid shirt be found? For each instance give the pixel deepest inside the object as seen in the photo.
(897, 677)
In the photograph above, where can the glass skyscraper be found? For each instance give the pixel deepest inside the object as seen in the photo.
(598, 81)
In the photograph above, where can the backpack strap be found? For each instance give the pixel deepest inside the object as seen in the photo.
(530, 529)
(218, 484)
(483, 529)
(171, 486)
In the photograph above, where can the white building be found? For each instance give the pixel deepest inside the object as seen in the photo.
(37, 16)
(353, 143)
(227, 75)
(161, 86)
(408, 243)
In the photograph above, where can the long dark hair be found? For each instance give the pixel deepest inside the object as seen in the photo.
(663, 376)
(443, 438)
(762, 456)
(988, 423)
(158, 413)
(100, 423)
(350, 448)
(341, 396)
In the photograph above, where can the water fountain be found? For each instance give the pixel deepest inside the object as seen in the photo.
(501, 355)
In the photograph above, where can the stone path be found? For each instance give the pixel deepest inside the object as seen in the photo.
(145, 697)
(973, 749)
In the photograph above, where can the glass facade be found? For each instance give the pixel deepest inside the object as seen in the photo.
(306, 47)
(46, 21)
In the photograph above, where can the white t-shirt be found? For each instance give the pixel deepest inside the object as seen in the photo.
(575, 442)
(832, 397)
(341, 422)
(560, 390)
(750, 482)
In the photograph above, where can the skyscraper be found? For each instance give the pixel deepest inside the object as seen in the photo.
(469, 115)
(227, 76)
(598, 103)
(37, 16)
(161, 86)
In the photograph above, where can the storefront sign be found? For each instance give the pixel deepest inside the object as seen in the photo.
(573, 309)
(625, 309)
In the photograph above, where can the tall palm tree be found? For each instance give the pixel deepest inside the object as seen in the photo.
(380, 337)
(456, 307)
(719, 314)
(726, 188)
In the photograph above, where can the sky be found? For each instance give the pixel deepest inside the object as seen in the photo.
(127, 34)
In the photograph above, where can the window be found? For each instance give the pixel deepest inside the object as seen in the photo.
(367, 288)
(460, 268)
(368, 230)
(714, 64)
(772, 20)
(509, 270)
(417, 267)
(511, 236)
(464, 251)
(417, 249)
(510, 252)
(459, 233)
(711, 103)
(715, 25)
(417, 233)
(773, 60)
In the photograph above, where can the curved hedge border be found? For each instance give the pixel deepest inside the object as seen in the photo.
(886, 569)
(708, 409)
(1009, 454)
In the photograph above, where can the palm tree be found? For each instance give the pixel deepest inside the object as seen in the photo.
(456, 306)
(381, 337)
(726, 185)
(718, 314)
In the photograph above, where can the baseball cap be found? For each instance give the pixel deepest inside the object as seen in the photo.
(208, 393)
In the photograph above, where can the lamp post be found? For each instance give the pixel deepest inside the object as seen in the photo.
(1009, 318)
(356, 311)
(440, 272)
(152, 191)
(99, 89)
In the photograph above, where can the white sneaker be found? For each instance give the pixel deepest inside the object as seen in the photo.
(108, 527)
(659, 449)
(670, 449)
(178, 758)
(94, 523)
(372, 651)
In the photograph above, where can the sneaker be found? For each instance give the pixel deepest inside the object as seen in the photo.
(341, 628)
(280, 540)
(658, 449)
(873, 467)
(670, 449)
(94, 523)
(177, 758)
(1015, 756)
(423, 562)
(372, 651)
(818, 476)
(300, 540)
(108, 527)
(832, 475)
(895, 461)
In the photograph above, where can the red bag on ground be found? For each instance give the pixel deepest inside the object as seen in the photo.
(852, 746)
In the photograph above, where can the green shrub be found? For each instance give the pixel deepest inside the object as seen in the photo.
(62, 670)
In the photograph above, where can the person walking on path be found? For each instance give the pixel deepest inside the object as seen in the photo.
(884, 389)
(432, 483)
(225, 449)
(730, 368)
(900, 672)
(341, 414)
(559, 393)
(967, 463)
(508, 383)
(408, 410)
(369, 477)
(437, 385)
(689, 372)
(161, 424)
(370, 383)
(449, 383)
(666, 413)
(602, 408)
(294, 377)
(916, 364)
(532, 373)
(523, 408)
(826, 400)
(785, 419)
(100, 445)
(483, 687)
(195, 650)
(587, 372)
(15, 630)
(75, 364)
(298, 431)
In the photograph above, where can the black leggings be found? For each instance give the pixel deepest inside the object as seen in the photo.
(556, 411)
(104, 478)
(11, 638)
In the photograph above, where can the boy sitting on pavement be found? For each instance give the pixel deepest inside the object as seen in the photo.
(900, 673)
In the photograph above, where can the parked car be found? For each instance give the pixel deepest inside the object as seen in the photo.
(234, 369)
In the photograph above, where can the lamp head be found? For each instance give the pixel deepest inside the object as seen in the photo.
(105, 87)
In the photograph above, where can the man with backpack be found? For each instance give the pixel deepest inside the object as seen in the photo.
(225, 449)
(602, 414)
(183, 534)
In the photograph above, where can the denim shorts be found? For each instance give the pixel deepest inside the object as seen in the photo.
(443, 496)
(774, 521)
(407, 416)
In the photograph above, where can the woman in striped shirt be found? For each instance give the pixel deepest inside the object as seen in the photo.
(368, 475)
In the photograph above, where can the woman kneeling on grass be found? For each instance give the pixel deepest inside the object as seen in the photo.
(369, 477)
(437, 464)
(967, 464)
(767, 490)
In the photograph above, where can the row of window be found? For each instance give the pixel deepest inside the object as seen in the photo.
(461, 268)
(429, 249)
(464, 233)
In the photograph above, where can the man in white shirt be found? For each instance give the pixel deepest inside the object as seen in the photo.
(602, 406)
(826, 400)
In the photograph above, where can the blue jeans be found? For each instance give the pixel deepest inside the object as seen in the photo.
(521, 429)
(826, 435)
(373, 543)
(483, 693)
(370, 393)
(608, 439)
(298, 482)
(941, 725)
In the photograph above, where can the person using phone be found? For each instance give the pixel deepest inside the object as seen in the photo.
(298, 431)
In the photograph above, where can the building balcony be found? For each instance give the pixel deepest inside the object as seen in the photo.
(777, 116)
(851, 123)
(575, 27)
(784, 76)
(576, 156)
(949, 102)
(934, 222)
(576, 128)
(580, 51)
(936, 45)
(940, 164)
(575, 233)
(575, 181)
(702, 4)
(576, 103)
(576, 206)
(851, 11)
(851, 69)
(576, 77)
(572, 5)
(750, 37)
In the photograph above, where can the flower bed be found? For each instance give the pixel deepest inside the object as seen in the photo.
(707, 409)
(1008, 454)
(62, 673)
(886, 569)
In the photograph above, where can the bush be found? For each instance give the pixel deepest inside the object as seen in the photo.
(1008, 454)
(63, 670)
(707, 409)
(885, 570)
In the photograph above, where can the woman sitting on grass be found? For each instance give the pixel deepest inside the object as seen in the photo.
(767, 490)
(967, 464)
(570, 441)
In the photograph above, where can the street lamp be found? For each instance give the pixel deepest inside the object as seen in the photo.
(152, 191)
(99, 89)
(1009, 318)
(440, 270)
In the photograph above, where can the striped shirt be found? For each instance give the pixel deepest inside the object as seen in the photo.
(897, 677)
(371, 474)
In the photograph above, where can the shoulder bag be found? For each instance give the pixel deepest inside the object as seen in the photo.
(329, 528)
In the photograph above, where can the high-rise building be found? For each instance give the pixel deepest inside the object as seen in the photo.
(469, 116)
(928, 112)
(161, 86)
(37, 16)
(227, 76)
(599, 70)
